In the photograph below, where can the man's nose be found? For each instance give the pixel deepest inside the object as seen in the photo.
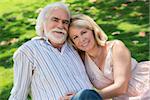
(60, 25)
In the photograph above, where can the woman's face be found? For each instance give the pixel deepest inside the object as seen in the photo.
(82, 37)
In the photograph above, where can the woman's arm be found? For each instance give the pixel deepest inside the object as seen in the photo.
(121, 71)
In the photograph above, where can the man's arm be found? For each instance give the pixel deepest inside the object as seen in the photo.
(22, 77)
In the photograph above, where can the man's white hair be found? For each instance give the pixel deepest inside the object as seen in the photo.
(42, 16)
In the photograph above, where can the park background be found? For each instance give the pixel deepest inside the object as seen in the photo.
(127, 20)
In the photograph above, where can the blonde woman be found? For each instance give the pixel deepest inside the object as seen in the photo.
(111, 69)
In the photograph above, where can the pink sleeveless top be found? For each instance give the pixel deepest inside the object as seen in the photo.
(139, 82)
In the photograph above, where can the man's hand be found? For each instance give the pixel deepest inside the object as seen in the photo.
(68, 96)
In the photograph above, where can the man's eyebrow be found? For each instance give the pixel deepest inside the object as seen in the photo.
(60, 19)
(55, 18)
(66, 20)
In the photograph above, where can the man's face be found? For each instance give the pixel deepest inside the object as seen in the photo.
(56, 26)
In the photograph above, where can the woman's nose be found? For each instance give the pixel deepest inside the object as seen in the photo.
(82, 39)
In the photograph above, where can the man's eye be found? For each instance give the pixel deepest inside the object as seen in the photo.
(66, 22)
(54, 19)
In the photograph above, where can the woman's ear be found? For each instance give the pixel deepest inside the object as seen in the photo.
(102, 37)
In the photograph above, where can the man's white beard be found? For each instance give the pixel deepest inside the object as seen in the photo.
(54, 38)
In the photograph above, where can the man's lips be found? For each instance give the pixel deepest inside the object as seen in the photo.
(58, 32)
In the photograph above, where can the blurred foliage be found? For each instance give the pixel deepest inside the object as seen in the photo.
(129, 18)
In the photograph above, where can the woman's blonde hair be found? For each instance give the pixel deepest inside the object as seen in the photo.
(82, 20)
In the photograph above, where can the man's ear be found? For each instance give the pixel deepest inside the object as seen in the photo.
(44, 28)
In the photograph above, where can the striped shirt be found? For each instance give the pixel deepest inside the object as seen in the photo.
(47, 72)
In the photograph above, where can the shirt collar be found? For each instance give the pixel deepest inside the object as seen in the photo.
(54, 49)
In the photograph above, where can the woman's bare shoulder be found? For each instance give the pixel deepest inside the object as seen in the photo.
(116, 43)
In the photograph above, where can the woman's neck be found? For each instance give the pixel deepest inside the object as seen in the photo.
(96, 51)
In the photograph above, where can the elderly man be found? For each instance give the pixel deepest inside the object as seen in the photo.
(48, 66)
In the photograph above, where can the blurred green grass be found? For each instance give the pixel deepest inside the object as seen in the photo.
(18, 17)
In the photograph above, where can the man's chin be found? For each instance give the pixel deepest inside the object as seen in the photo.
(57, 41)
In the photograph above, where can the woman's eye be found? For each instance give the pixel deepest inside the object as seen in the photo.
(75, 37)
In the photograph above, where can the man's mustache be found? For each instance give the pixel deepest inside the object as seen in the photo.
(59, 30)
